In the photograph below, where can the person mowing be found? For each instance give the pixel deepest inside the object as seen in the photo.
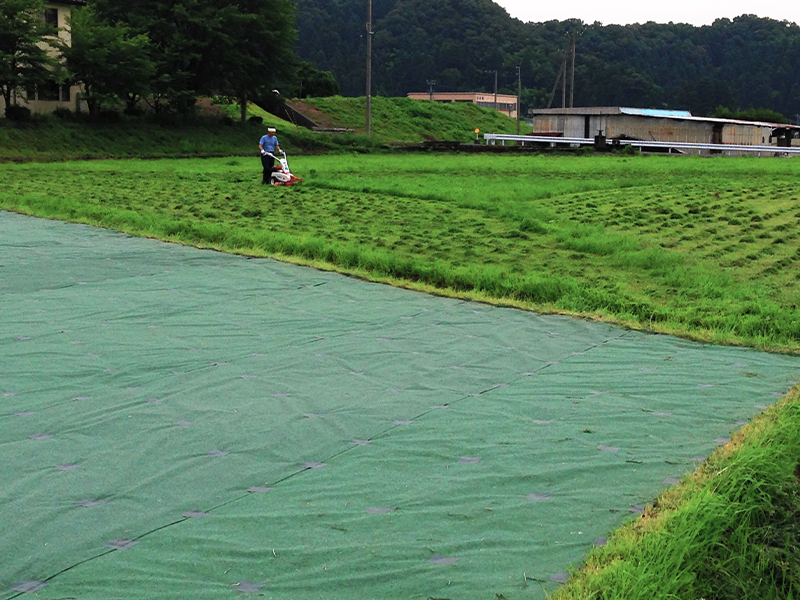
(268, 144)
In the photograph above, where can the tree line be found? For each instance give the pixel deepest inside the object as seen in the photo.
(164, 52)
(744, 63)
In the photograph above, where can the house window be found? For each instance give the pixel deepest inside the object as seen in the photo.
(65, 91)
(51, 17)
(48, 91)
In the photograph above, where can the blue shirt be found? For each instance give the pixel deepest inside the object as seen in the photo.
(269, 143)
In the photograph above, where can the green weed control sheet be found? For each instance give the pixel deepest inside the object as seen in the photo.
(181, 423)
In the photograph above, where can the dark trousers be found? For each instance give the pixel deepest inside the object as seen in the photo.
(267, 162)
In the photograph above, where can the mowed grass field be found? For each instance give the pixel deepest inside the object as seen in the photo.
(704, 248)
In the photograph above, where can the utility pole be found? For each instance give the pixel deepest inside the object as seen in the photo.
(495, 90)
(519, 95)
(369, 68)
(572, 82)
(495, 85)
(431, 83)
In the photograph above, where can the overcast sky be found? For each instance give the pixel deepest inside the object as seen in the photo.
(623, 13)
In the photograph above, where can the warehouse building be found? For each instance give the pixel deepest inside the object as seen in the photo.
(658, 125)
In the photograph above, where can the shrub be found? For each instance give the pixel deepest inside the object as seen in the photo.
(64, 114)
(109, 116)
(18, 113)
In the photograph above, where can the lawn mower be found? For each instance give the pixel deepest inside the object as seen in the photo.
(281, 175)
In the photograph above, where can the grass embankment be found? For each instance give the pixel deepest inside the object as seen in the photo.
(48, 137)
(406, 120)
(705, 248)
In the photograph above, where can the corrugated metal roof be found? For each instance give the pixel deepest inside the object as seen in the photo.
(655, 113)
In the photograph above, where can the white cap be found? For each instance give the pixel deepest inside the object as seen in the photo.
(271, 130)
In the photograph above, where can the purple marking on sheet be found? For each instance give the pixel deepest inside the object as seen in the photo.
(469, 460)
(121, 544)
(538, 497)
(542, 422)
(671, 480)
(636, 508)
(258, 489)
(40, 436)
(247, 587)
(658, 413)
(90, 502)
(29, 586)
(360, 442)
(440, 559)
(313, 465)
(217, 453)
(560, 578)
(154, 400)
(401, 422)
(379, 510)
(67, 467)
(438, 407)
(195, 514)
(184, 423)
(603, 448)
(24, 413)
(722, 440)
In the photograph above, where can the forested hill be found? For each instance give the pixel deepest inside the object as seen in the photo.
(747, 62)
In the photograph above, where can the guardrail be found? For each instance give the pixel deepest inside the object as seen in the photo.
(493, 138)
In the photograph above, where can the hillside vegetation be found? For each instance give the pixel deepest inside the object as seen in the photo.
(747, 62)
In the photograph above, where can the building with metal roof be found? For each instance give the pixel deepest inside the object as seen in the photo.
(658, 125)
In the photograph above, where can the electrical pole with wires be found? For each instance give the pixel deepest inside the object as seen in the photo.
(431, 84)
(519, 95)
(369, 68)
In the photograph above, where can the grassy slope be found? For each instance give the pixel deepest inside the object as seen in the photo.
(395, 120)
(406, 120)
(701, 247)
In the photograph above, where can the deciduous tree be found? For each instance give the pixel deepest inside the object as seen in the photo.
(24, 40)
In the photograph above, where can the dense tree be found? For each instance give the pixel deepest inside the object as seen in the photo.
(231, 47)
(24, 39)
(108, 60)
(309, 82)
(743, 63)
